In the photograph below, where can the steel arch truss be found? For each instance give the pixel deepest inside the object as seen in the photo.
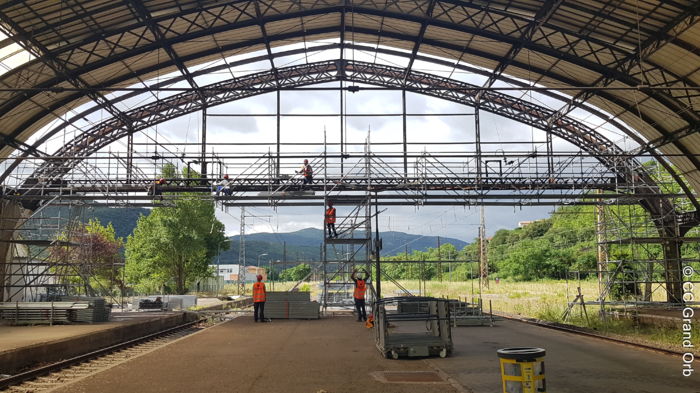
(626, 58)
(463, 93)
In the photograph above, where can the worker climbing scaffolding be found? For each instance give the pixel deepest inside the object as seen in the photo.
(359, 294)
(330, 221)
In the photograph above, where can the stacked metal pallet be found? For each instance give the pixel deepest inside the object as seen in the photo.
(27, 313)
(291, 305)
(88, 310)
(469, 314)
(98, 311)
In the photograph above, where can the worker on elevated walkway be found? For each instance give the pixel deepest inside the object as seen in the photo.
(330, 221)
(224, 186)
(359, 294)
(307, 172)
(259, 300)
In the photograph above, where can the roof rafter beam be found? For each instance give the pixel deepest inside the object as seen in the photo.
(440, 23)
(543, 15)
(24, 147)
(421, 34)
(635, 59)
(266, 38)
(25, 40)
(391, 35)
(145, 16)
(662, 141)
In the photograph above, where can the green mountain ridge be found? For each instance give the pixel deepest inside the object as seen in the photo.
(302, 245)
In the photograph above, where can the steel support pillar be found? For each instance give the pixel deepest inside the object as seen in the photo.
(203, 170)
(10, 213)
(405, 142)
(672, 265)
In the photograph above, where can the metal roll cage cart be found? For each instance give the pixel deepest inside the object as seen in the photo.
(413, 326)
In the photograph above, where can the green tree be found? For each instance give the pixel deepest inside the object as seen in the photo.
(91, 251)
(173, 246)
(295, 273)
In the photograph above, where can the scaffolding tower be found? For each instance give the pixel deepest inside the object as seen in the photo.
(42, 250)
(351, 249)
(632, 266)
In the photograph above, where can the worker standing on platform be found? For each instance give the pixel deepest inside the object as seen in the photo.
(307, 172)
(330, 221)
(224, 186)
(156, 188)
(259, 300)
(359, 294)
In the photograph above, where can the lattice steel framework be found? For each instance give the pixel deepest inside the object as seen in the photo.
(88, 47)
(637, 61)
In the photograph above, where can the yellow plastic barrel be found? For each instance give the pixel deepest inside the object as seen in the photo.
(522, 370)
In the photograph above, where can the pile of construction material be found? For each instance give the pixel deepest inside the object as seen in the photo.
(469, 314)
(88, 310)
(291, 305)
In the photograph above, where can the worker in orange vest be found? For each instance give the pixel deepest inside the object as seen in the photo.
(307, 172)
(330, 220)
(359, 294)
(259, 300)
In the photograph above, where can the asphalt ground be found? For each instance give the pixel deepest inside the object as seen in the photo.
(338, 355)
(317, 356)
(573, 363)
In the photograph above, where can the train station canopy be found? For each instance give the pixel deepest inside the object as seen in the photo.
(634, 63)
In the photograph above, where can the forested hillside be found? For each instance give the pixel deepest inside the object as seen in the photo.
(544, 249)
(305, 245)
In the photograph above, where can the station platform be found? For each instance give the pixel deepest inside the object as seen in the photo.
(337, 354)
(24, 346)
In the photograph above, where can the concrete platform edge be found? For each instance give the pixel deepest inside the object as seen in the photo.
(15, 360)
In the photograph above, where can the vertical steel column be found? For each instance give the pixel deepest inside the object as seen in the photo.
(550, 156)
(340, 91)
(279, 127)
(129, 157)
(477, 136)
(241, 255)
(483, 256)
(342, 128)
(203, 171)
(405, 149)
(439, 264)
(601, 230)
(377, 248)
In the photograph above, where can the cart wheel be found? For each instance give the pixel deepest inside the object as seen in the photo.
(394, 355)
(387, 355)
(443, 353)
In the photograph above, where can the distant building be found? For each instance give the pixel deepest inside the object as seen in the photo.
(523, 224)
(230, 273)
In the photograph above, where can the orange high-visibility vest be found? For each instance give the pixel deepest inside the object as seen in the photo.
(258, 292)
(330, 216)
(360, 289)
(306, 170)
